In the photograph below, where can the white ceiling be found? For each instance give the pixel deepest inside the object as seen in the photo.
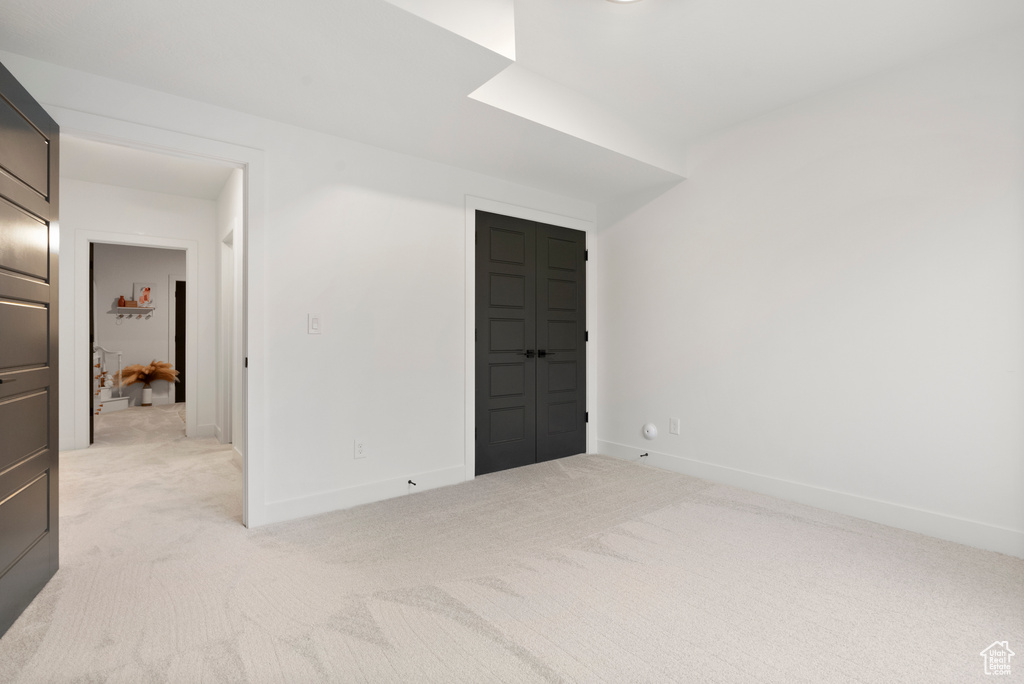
(601, 100)
(685, 68)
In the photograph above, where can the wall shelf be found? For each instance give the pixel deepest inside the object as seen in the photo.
(133, 311)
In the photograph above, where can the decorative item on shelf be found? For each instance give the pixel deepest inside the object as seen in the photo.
(144, 293)
(130, 304)
(155, 370)
(120, 300)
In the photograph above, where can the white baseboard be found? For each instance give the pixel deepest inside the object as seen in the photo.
(237, 458)
(203, 431)
(969, 532)
(338, 499)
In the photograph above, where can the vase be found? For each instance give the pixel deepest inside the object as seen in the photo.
(147, 396)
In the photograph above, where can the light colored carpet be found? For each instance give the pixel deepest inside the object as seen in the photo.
(584, 569)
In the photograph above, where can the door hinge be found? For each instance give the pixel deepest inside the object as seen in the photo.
(586, 255)
(586, 417)
(246, 361)
(586, 335)
(475, 335)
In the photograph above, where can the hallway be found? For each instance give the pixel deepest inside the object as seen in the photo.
(139, 455)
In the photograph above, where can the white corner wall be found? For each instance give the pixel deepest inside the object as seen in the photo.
(116, 269)
(374, 241)
(833, 303)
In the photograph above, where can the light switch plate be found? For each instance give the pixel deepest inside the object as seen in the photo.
(673, 426)
(314, 325)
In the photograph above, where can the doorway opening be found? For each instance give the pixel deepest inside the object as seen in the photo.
(124, 195)
(138, 318)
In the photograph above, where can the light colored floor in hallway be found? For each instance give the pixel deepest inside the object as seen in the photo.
(584, 569)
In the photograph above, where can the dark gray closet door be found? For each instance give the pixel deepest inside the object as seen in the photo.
(506, 362)
(530, 352)
(561, 346)
(28, 349)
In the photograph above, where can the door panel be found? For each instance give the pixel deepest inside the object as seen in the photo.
(562, 376)
(25, 146)
(561, 346)
(530, 357)
(506, 378)
(23, 423)
(23, 330)
(23, 520)
(28, 349)
(23, 242)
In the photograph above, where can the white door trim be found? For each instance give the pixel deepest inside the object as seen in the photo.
(251, 160)
(82, 356)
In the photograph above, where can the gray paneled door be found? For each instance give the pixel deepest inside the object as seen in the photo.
(28, 348)
(530, 342)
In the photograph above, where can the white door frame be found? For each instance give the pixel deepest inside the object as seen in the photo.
(478, 203)
(82, 354)
(251, 160)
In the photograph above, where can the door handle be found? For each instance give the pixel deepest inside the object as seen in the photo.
(2, 381)
(541, 353)
(528, 353)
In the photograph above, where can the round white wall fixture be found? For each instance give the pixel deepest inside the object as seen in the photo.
(650, 431)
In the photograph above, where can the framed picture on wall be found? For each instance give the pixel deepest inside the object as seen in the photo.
(144, 293)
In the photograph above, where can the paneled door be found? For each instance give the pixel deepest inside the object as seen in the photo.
(530, 342)
(28, 348)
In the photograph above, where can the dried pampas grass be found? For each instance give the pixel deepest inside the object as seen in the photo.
(156, 370)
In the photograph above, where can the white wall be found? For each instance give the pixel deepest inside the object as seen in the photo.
(833, 303)
(97, 209)
(116, 268)
(375, 242)
(372, 240)
(230, 267)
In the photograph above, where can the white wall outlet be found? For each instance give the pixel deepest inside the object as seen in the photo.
(359, 450)
(314, 324)
(673, 426)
